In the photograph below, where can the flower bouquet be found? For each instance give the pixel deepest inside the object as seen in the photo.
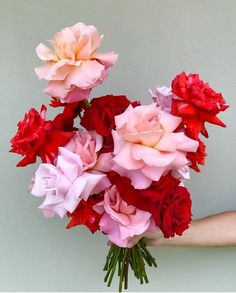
(122, 171)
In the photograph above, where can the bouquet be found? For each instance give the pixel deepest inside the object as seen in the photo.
(122, 172)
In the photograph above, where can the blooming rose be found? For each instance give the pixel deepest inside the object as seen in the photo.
(65, 184)
(196, 103)
(73, 67)
(121, 221)
(86, 144)
(145, 145)
(172, 213)
(100, 115)
(38, 137)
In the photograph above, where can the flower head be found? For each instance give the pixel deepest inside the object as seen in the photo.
(196, 102)
(86, 144)
(73, 66)
(38, 137)
(121, 221)
(65, 184)
(146, 146)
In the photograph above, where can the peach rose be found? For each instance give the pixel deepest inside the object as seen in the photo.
(73, 67)
(146, 146)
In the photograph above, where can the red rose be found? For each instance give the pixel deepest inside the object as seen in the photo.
(172, 213)
(198, 103)
(198, 157)
(38, 137)
(169, 204)
(84, 214)
(100, 115)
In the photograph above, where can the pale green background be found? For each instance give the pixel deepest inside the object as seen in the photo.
(155, 40)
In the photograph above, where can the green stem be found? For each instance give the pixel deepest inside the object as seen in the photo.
(111, 251)
(113, 267)
(142, 264)
(139, 264)
(127, 269)
(136, 257)
(114, 256)
(87, 103)
(122, 269)
(148, 254)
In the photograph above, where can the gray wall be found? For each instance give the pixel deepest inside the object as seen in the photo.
(155, 40)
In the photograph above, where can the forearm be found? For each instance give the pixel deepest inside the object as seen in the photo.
(216, 230)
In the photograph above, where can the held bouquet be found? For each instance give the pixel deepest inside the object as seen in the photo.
(122, 171)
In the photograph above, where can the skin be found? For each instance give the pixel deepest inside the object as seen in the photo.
(216, 230)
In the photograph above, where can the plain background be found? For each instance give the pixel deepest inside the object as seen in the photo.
(155, 40)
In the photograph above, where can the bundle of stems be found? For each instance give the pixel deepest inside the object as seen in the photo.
(122, 258)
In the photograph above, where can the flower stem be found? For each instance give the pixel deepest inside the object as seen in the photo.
(122, 270)
(136, 257)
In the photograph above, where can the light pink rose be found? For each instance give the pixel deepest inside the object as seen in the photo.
(73, 67)
(124, 224)
(145, 146)
(65, 184)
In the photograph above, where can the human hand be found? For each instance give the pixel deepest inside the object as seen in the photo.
(155, 239)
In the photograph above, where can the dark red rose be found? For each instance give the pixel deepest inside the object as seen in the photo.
(169, 204)
(100, 115)
(38, 137)
(84, 214)
(173, 213)
(198, 157)
(198, 103)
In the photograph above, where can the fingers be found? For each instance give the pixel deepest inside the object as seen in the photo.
(153, 242)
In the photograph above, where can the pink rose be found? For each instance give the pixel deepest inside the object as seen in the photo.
(124, 224)
(86, 144)
(73, 67)
(65, 184)
(145, 146)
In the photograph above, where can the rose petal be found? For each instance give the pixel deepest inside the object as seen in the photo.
(154, 173)
(150, 156)
(75, 94)
(139, 180)
(86, 75)
(169, 122)
(45, 53)
(104, 162)
(108, 59)
(70, 163)
(125, 158)
(92, 180)
(55, 71)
